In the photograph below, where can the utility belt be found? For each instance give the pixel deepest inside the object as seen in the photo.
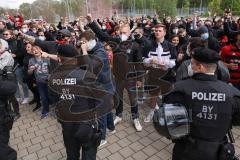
(6, 114)
(87, 132)
(219, 150)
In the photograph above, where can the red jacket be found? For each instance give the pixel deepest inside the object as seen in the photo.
(231, 54)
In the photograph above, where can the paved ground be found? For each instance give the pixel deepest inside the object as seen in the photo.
(36, 139)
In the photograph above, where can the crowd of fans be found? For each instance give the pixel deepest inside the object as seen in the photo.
(168, 44)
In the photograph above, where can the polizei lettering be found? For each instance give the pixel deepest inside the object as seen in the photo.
(203, 96)
(66, 81)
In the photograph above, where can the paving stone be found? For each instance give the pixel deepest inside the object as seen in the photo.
(149, 150)
(154, 136)
(21, 153)
(124, 142)
(133, 137)
(15, 141)
(28, 136)
(54, 156)
(33, 129)
(126, 152)
(136, 146)
(47, 143)
(112, 139)
(113, 147)
(56, 147)
(52, 128)
(24, 144)
(159, 145)
(32, 156)
(154, 157)
(33, 138)
(115, 156)
(34, 148)
(37, 139)
(41, 132)
(145, 141)
(140, 156)
(121, 134)
(49, 135)
(163, 154)
(20, 133)
(25, 126)
(103, 153)
(44, 152)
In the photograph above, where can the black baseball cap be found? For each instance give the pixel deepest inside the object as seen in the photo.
(205, 55)
(65, 32)
(66, 50)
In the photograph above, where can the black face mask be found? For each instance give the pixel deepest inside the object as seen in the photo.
(137, 36)
(183, 40)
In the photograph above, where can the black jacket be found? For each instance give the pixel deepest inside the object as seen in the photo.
(135, 52)
(145, 45)
(14, 47)
(167, 47)
(203, 91)
(222, 72)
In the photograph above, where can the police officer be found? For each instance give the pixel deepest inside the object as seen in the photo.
(7, 89)
(210, 104)
(79, 118)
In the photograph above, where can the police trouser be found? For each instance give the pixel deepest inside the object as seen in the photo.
(13, 101)
(6, 152)
(118, 99)
(195, 150)
(73, 146)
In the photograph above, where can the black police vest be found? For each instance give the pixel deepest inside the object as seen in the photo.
(209, 104)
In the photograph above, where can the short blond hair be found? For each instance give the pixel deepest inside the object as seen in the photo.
(125, 26)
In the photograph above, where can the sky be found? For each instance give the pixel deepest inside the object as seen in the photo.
(13, 3)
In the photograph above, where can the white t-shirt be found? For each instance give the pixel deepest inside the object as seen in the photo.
(161, 56)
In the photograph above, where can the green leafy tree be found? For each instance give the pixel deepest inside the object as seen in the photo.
(214, 7)
(166, 7)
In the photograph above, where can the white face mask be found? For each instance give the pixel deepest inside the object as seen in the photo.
(24, 30)
(205, 36)
(91, 44)
(190, 71)
(187, 51)
(104, 27)
(42, 38)
(123, 37)
(175, 31)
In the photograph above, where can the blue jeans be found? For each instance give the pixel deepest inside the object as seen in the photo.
(43, 92)
(19, 76)
(105, 122)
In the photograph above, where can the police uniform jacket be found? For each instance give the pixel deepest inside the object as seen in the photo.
(210, 104)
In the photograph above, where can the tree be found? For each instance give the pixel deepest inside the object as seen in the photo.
(234, 5)
(214, 7)
(166, 7)
(25, 10)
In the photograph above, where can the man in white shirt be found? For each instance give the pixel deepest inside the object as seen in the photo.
(162, 55)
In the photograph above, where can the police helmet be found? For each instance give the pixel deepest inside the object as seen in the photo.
(171, 121)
